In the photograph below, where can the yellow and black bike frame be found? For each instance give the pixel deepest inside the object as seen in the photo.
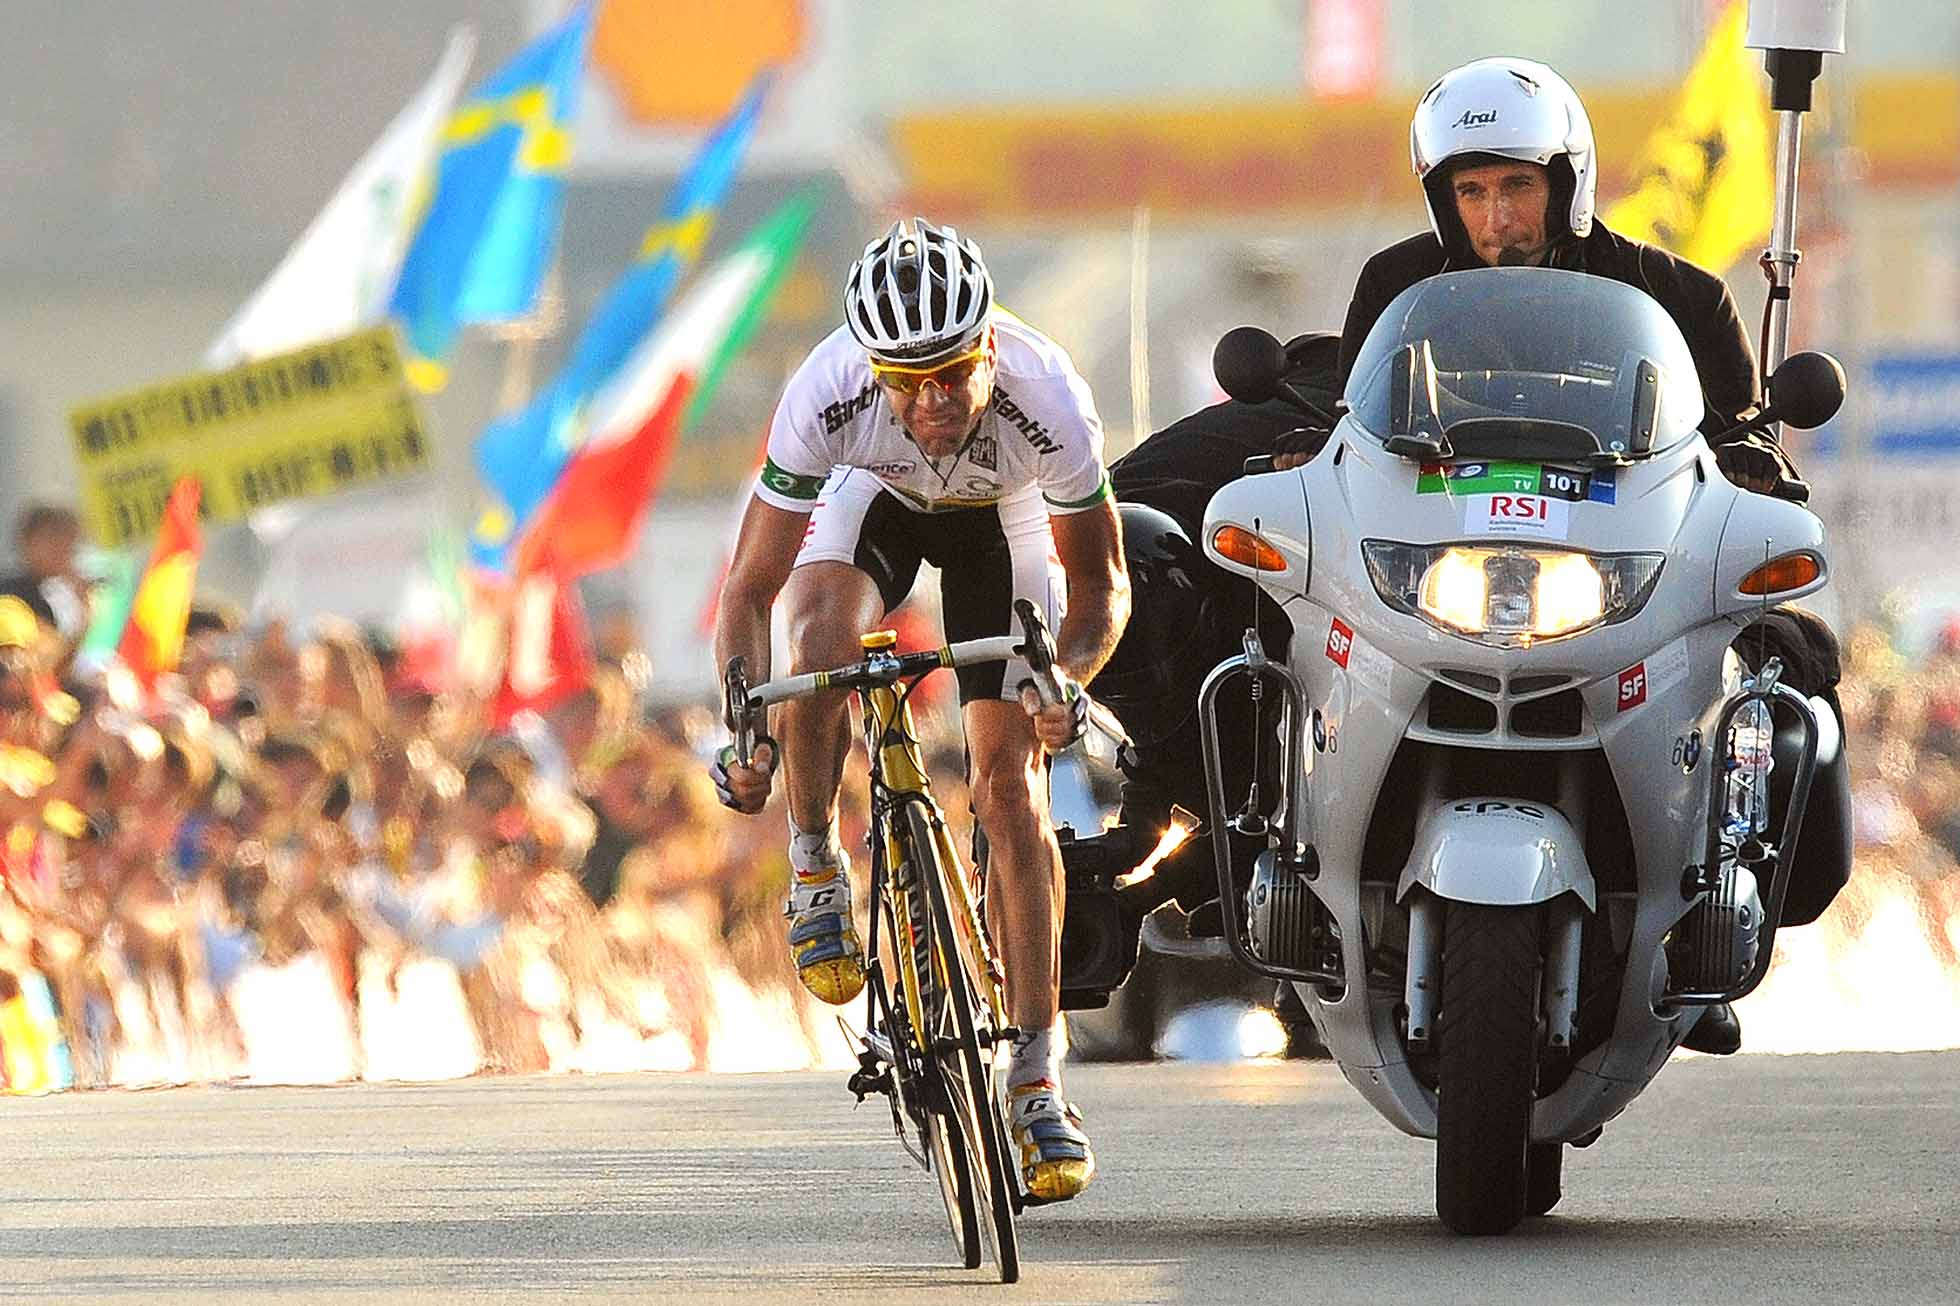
(898, 779)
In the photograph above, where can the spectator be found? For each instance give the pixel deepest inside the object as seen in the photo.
(48, 538)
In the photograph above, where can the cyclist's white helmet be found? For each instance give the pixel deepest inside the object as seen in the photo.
(917, 293)
(1505, 109)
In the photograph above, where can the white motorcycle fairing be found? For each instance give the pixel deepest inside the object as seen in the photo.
(1500, 851)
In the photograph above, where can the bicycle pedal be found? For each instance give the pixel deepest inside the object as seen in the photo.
(864, 1083)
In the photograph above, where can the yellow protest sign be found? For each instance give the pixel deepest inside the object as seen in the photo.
(329, 417)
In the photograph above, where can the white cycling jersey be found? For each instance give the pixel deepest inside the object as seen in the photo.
(1039, 435)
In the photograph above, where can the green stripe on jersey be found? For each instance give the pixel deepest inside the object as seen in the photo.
(1101, 493)
(789, 484)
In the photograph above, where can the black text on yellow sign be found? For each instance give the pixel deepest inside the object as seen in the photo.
(333, 416)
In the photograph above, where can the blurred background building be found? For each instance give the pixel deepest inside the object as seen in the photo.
(1142, 174)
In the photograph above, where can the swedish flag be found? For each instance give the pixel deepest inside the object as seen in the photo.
(520, 455)
(1705, 189)
(492, 223)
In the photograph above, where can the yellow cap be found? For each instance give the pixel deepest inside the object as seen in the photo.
(878, 639)
(18, 626)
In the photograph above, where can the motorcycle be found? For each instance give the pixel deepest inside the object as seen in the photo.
(1518, 821)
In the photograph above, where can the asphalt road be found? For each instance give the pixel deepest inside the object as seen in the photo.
(1798, 1179)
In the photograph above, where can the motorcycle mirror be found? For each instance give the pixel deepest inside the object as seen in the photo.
(1805, 391)
(1249, 362)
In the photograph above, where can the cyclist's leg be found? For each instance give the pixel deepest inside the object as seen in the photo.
(847, 575)
(1024, 865)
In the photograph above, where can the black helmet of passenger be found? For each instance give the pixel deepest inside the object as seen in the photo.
(1151, 681)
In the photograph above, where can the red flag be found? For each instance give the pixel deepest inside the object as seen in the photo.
(593, 516)
(154, 638)
(549, 657)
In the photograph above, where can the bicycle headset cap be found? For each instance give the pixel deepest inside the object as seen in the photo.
(917, 294)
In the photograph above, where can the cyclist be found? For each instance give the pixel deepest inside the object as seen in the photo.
(934, 426)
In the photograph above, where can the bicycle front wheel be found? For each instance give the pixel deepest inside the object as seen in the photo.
(965, 1065)
(923, 1103)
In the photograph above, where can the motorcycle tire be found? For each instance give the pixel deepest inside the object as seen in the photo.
(1487, 1065)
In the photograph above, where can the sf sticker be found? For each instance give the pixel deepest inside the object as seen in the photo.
(1633, 686)
(1340, 643)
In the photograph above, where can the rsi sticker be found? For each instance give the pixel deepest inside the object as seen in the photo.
(1340, 643)
(1517, 514)
(1633, 686)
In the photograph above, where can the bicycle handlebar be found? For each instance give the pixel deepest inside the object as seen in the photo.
(743, 704)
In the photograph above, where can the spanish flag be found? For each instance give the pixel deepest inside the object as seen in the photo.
(1705, 188)
(154, 638)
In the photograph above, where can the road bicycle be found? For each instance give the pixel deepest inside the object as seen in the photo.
(935, 1013)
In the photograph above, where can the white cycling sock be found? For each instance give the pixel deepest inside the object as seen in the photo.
(1035, 1057)
(814, 853)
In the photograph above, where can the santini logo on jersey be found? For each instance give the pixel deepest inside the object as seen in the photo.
(836, 415)
(1034, 432)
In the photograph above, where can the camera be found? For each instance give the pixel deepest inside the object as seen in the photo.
(1099, 936)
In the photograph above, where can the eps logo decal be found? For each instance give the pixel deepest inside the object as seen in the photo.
(1488, 805)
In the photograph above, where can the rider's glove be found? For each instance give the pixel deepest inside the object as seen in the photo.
(718, 772)
(1075, 700)
(1753, 462)
(1298, 446)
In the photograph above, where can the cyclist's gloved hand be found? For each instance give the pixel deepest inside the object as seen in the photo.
(1062, 724)
(744, 788)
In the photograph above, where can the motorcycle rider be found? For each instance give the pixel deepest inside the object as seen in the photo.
(934, 426)
(1504, 151)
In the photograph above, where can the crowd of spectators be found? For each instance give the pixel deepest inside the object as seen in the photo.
(1902, 724)
(328, 793)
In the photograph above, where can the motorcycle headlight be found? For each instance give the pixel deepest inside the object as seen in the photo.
(1510, 595)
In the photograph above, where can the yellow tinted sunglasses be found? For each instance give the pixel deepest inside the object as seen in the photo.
(949, 375)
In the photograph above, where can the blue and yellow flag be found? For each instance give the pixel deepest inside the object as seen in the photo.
(521, 454)
(492, 223)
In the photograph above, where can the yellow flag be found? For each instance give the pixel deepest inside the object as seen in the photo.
(1705, 189)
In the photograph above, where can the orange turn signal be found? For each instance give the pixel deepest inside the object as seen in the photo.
(1247, 549)
(1792, 571)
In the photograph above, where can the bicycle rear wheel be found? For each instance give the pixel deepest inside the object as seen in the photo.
(966, 1068)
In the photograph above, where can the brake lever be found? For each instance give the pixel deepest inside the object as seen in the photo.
(736, 712)
(1038, 651)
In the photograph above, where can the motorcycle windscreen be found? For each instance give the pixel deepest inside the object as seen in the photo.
(1530, 363)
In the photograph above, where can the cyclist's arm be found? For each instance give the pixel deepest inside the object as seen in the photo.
(1082, 514)
(1091, 551)
(765, 550)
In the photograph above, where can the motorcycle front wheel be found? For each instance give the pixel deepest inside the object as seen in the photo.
(1487, 1065)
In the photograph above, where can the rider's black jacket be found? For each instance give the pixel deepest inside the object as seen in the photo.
(1698, 301)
